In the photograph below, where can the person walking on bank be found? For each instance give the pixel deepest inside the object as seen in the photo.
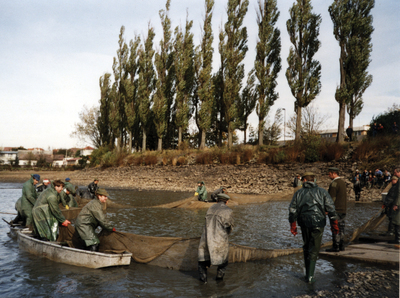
(388, 205)
(338, 192)
(308, 207)
(201, 191)
(90, 218)
(349, 132)
(93, 187)
(357, 188)
(28, 199)
(396, 208)
(47, 214)
(214, 244)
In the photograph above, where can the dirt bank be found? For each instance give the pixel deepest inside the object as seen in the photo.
(242, 179)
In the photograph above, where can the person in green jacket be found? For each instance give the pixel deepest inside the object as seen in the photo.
(309, 207)
(67, 196)
(396, 208)
(47, 214)
(338, 192)
(201, 191)
(28, 199)
(90, 218)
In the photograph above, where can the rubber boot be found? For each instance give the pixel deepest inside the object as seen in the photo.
(307, 264)
(341, 245)
(396, 235)
(202, 272)
(335, 244)
(221, 271)
(310, 276)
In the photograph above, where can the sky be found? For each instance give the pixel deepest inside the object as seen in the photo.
(52, 54)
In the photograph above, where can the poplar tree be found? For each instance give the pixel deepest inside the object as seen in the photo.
(184, 55)
(303, 73)
(163, 98)
(146, 82)
(233, 48)
(103, 122)
(352, 24)
(267, 64)
(132, 104)
(117, 115)
(205, 85)
(247, 102)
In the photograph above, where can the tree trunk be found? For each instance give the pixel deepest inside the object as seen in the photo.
(342, 116)
(245, 130)
(203, 140)
(159, 148)
(144, 141)
(230, 132)
(260, 132)
(130, 142)
(298, 125)
(179, 136)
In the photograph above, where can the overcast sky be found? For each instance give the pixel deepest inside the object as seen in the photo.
(52, 54)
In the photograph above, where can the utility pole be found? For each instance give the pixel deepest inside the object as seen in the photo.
(284, 126)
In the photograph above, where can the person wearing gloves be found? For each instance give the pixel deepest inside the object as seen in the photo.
(28, 199)
(47, 214)
(214, 195)
(201, 191)
(214, 244)
(67, 198)
(338, 192)
(308, 208)
(90, 218)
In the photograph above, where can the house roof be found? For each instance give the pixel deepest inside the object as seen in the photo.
(88, 148)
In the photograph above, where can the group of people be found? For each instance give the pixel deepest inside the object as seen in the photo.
(308, 208)
(39, 210)
(378, 129)
(370, 179)
(311, 204)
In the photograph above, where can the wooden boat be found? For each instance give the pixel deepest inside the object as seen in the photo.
(57, 252)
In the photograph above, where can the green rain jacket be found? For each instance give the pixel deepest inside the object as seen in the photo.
(309, 205)
(202, 191)
(68, 199)
(89, 219)
(396, 202)
(28, 200)
(47, 214)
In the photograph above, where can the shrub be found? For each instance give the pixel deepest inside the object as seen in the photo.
(311, 144)
(331, 151)
(181, 161)
(150, 160)
(204, 158)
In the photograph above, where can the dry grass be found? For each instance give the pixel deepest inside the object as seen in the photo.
(331, 151)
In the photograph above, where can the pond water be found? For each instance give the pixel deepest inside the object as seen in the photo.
(259, 225)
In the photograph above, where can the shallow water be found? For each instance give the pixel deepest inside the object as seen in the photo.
(262, 225)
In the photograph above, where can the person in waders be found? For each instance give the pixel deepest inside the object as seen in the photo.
(214, 244)
(220, 190)
(28, 199)
(396, 208)
(93, 187)
(47, 214)
(308, 207)
(388, 205)
(90, 218)
(201, 191)
(338, 192)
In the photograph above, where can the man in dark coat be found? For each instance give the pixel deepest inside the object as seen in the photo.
(309, 207)
(388, 204)
(357, 188)
(220, 190)
(214, 244)
(28, 199)
(92, 187)
(338, 192)
(349, 132)
(90, 218)
(396, 208)
(47, 214)
(43, 186)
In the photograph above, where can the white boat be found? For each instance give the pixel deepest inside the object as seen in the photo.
(67, 255)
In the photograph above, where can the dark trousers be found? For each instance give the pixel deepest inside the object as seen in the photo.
(312, 238)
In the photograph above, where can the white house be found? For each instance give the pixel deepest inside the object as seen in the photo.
(87, 151)
(8, 157)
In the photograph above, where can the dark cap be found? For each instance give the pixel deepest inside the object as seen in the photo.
(222, 197)
(36, 177)
(95, 179)
(70, 188)
(67, 179)
(333, 169)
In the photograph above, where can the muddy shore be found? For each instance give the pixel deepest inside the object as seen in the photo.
(241, 179)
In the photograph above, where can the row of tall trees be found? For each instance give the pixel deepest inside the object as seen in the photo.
(154, 94)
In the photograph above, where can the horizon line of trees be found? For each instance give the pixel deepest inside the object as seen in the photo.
(151, 96)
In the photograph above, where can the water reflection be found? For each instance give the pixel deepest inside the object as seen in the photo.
(263, 226)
